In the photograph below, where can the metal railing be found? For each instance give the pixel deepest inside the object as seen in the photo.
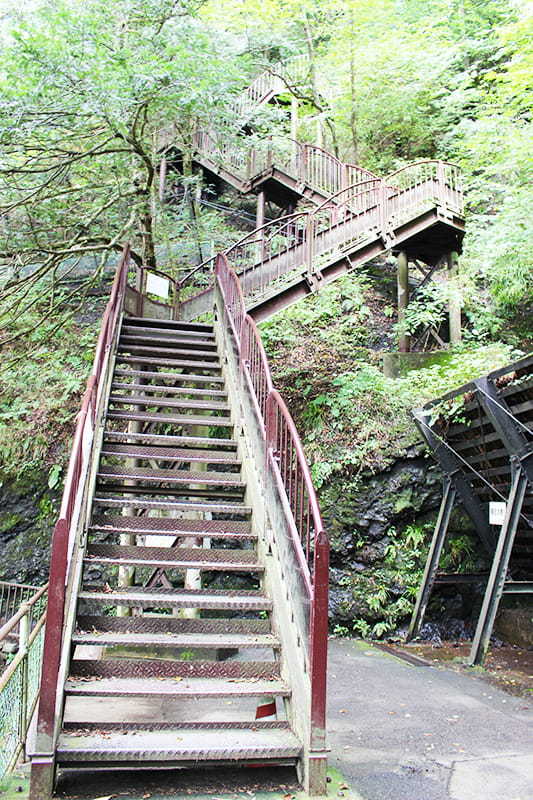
(288, 474)
(304, 243)
(24, 610)
(69, 527)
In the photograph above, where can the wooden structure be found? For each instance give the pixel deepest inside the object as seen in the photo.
(482, 437)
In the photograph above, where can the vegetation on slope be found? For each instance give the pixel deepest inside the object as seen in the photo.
(89, 93)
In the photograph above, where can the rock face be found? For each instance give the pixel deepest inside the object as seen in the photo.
(27, 517)
(379, 526)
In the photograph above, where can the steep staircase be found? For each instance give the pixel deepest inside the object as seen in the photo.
(171, 546)
(183, 624)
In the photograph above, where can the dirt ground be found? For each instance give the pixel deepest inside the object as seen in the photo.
(507, 666)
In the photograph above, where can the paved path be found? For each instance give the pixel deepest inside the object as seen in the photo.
(396, 732)
(401, 732)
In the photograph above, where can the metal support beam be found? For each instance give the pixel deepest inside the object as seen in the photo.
(453, 467)
(454, 303)
(432, 563)
(403, 299)
(496, 582)
(510, 432)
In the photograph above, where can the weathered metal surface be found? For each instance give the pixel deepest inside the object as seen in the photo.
(162, 376)
(217, 687)
(175, 557)
(147, 399)
(170, 476)
(234, 600)
(170, 624)
(191, 746)
(181, 364)
(173, 526)
(178, 506)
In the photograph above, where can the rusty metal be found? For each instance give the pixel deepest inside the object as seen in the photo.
(482, 435)
(173, 526)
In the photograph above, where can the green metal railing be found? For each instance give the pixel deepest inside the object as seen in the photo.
(24, 607)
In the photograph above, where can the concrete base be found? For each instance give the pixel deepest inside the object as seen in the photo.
(397, 365)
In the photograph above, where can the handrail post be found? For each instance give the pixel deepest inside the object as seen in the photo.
(24, 636)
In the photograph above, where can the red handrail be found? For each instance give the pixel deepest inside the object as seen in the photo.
(65, 527)
(290, 471)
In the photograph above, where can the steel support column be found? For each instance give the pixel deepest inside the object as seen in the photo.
(496, 582)
(432, 563)
(454, 303)
(403, 300)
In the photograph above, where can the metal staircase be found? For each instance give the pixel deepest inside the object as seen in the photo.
(188, 586)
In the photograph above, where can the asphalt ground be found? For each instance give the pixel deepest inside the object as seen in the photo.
(396, 730)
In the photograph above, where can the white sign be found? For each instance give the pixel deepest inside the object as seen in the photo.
(497, 513)
(157, 285)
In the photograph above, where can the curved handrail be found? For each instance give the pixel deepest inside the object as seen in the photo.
(286, 453)
(290, 473)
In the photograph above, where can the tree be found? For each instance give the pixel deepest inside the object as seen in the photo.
(92, 96)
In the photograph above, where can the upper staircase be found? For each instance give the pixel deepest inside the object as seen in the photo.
(187, 619)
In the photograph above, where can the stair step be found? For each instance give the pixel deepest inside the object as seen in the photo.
(200, 329)
(219, 599)
(172, 688)
(165, 388)
(257, 724)
(165, 668)
(192, 745)
(172, 441)
(169, 505)
(168, 376)
(172, 526)
(135, 348)
(168, 454)
(165, 402)
(154, 336)
(186, 641)
(167, 623)
(175, 363)
(143, 474)
(174, 557)
(170, 419)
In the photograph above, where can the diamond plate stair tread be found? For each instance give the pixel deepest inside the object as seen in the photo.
(163, 402)
(171, 687)
(174, 557)
(237, 600)
(191, 328)
(174, 419)
(169, 362)
(214, 507)
(179, 745)
(155, 668)
(165, 388)
(167, 623)
(172, 526)
(182, 377)
(174, 441)
(130, 333)
(136, 348)
(168, 454)
(223, 641)
(256, 724)
(173, 476)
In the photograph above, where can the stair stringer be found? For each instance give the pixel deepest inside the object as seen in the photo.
(283, 580)
(41, 750)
